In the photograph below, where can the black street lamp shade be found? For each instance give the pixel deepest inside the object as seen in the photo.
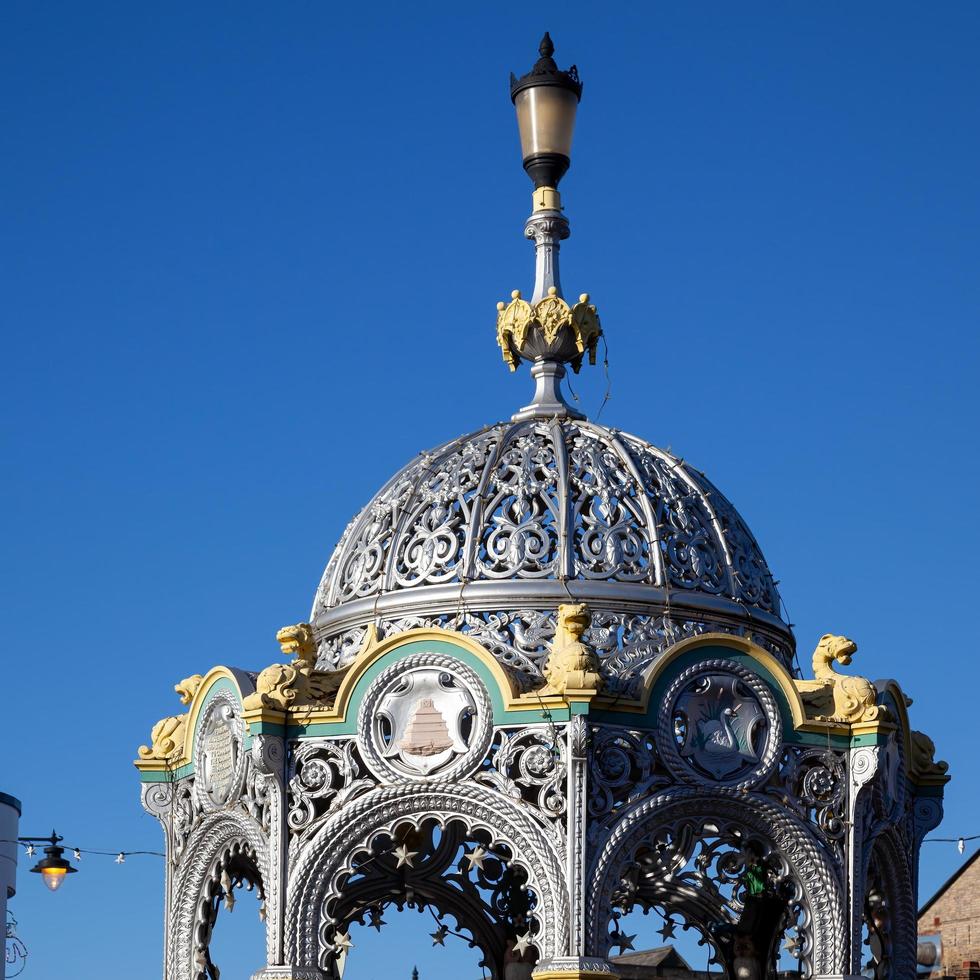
(546, 100)
(53, 868)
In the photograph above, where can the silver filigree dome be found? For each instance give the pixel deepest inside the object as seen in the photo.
(489, 532)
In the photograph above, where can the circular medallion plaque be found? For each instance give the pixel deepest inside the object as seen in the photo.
(425, 717)
(719, 725)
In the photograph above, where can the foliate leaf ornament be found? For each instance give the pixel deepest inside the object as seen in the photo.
(585, 323)
(547, 330)
(552, 313)
(513, 320)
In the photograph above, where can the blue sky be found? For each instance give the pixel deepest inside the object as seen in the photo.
(251, 254)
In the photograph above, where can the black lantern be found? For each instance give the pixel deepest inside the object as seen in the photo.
(546, 100)
(53, 868)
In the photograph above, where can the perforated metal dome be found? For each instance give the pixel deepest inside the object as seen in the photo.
(491, 531)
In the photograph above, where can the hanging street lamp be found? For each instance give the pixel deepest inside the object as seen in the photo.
(53, 867)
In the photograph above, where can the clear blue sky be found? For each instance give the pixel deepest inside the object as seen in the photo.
(250, 259)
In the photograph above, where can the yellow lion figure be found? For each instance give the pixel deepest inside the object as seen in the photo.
(572, 664)
(852, 698)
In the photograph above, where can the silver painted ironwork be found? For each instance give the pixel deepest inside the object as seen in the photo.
(504, 524)
(429, 803)
(548, 401)
(547, 228)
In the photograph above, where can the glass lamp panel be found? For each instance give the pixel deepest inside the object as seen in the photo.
(53, 877)
(546, 119)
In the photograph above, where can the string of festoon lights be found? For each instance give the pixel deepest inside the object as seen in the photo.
(54, 867)
(960, 842)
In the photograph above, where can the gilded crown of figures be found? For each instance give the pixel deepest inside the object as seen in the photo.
(549, 329)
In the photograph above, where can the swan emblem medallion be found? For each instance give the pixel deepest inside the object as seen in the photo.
(718, 724)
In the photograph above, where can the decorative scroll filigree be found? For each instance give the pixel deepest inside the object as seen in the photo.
(519, 533)
(430, 548)
(695, 554)
(626, 644)
(325, 775)
(623, 768)
(610, 538)
(530, 766)
(534, 501)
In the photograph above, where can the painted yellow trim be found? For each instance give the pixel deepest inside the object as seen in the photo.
(197, 705)
(545, 199)
(512, 699)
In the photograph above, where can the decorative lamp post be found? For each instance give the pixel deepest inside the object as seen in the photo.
(547, 331)
(53, 867)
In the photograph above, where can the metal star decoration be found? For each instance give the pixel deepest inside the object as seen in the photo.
(476, 857)
(623, 941)
(668, 930)
(376, 921)
(404, 855)
(29, 850)
(341, 942)
(521, 944)
(439, 936)
(792, 946)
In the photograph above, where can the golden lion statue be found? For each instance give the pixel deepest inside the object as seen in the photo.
(284, 686)
(837, 697)
(167, 737)
(571, 665)
(923, 761)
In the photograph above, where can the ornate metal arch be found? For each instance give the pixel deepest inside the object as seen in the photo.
(327, 859)
(889, 909)
(822, 890)
(211, 839)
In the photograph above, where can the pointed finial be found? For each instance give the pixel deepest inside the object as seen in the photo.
(547, 47)
(415, 973)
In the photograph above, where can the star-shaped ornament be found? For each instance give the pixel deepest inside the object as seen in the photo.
(341, 942)
(476, 857)
(792, 946)
(623, 941)
(30, 850)
(404, 855)
(376, 921)
(439, 936)
(521, 944)
(668, 930)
